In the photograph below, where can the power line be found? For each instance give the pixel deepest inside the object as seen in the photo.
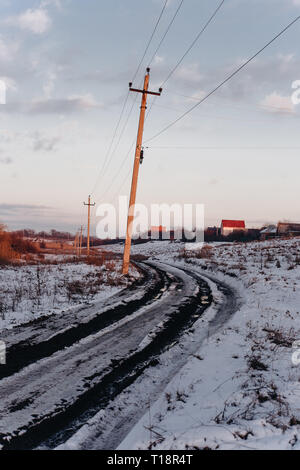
(263, 106)
(120, 136)
(111, 143)
(199, 148)
(118, 171)
(194, 41)
(150, 62)
(127, 154)
(121, 185)
(125, 158)
(226, 118)
(106, 161)
(151, 106)
(150, 40)
(160, 44)
(226, 80)
(188, 50)
(166, 32)
(225, 148)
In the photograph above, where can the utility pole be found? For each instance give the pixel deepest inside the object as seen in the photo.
(137, 158)
(76, 243)
(80, 241)
(89, 223)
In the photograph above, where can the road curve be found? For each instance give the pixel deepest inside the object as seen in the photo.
(108, 428)
(48, 400)
(39, 339)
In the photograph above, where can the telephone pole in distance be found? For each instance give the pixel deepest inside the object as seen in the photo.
(89, 204)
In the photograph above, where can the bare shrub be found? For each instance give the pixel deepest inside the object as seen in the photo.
(75, 289)
(255, 363)
(206, 252)
(281, 337)
(95, 260)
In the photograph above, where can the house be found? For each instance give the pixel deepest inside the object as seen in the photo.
(268, 232)
(211, 234)
(159, 229)
(212, 231)
(158, 233)
(288, 229)
(230, 226)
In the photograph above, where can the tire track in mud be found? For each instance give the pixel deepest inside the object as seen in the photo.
(26, 352)
(104, 386)
(231, 299)
(107, 429)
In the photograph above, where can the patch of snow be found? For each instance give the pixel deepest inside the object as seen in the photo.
(244, 393)
(29, 292)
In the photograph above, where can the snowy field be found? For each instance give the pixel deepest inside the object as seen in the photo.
(239, 390)
(29, 292)
(242, 389)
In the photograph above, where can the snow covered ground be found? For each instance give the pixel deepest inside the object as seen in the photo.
(239, 390)
(242, 389)
(29, 292)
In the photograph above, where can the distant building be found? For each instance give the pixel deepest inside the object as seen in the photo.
(212, 231)
(229, 226)
(253, 234)
(159, 229)
(211, 234)
(158, 233)
(288, 229)
(268, 232)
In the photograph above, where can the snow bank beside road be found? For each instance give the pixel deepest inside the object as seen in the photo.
(29, 292)
(242, 391)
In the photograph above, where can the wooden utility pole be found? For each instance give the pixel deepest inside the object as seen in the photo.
(89, 223)
(145, 92)
(76, 243)
(80, 241)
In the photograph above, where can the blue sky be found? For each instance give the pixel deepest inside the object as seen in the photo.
(67, 64)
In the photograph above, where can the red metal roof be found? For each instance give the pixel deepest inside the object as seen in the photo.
(158, 229)
(233, 224)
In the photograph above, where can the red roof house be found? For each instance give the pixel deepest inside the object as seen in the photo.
(159, 229)
(229, 226)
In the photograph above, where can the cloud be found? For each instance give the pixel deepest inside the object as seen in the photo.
(188, 75)
(7, 50)
(49, 3)
(36, 21)
(70, 105)
(10, 209)
(49, 85)
(276, 103)
(255, 82)
(159, 59)
(8, 136)
(9, 83)
(5, 161)
(86, 100)
(43, 143)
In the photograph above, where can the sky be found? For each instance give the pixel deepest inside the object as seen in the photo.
(67, 65)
